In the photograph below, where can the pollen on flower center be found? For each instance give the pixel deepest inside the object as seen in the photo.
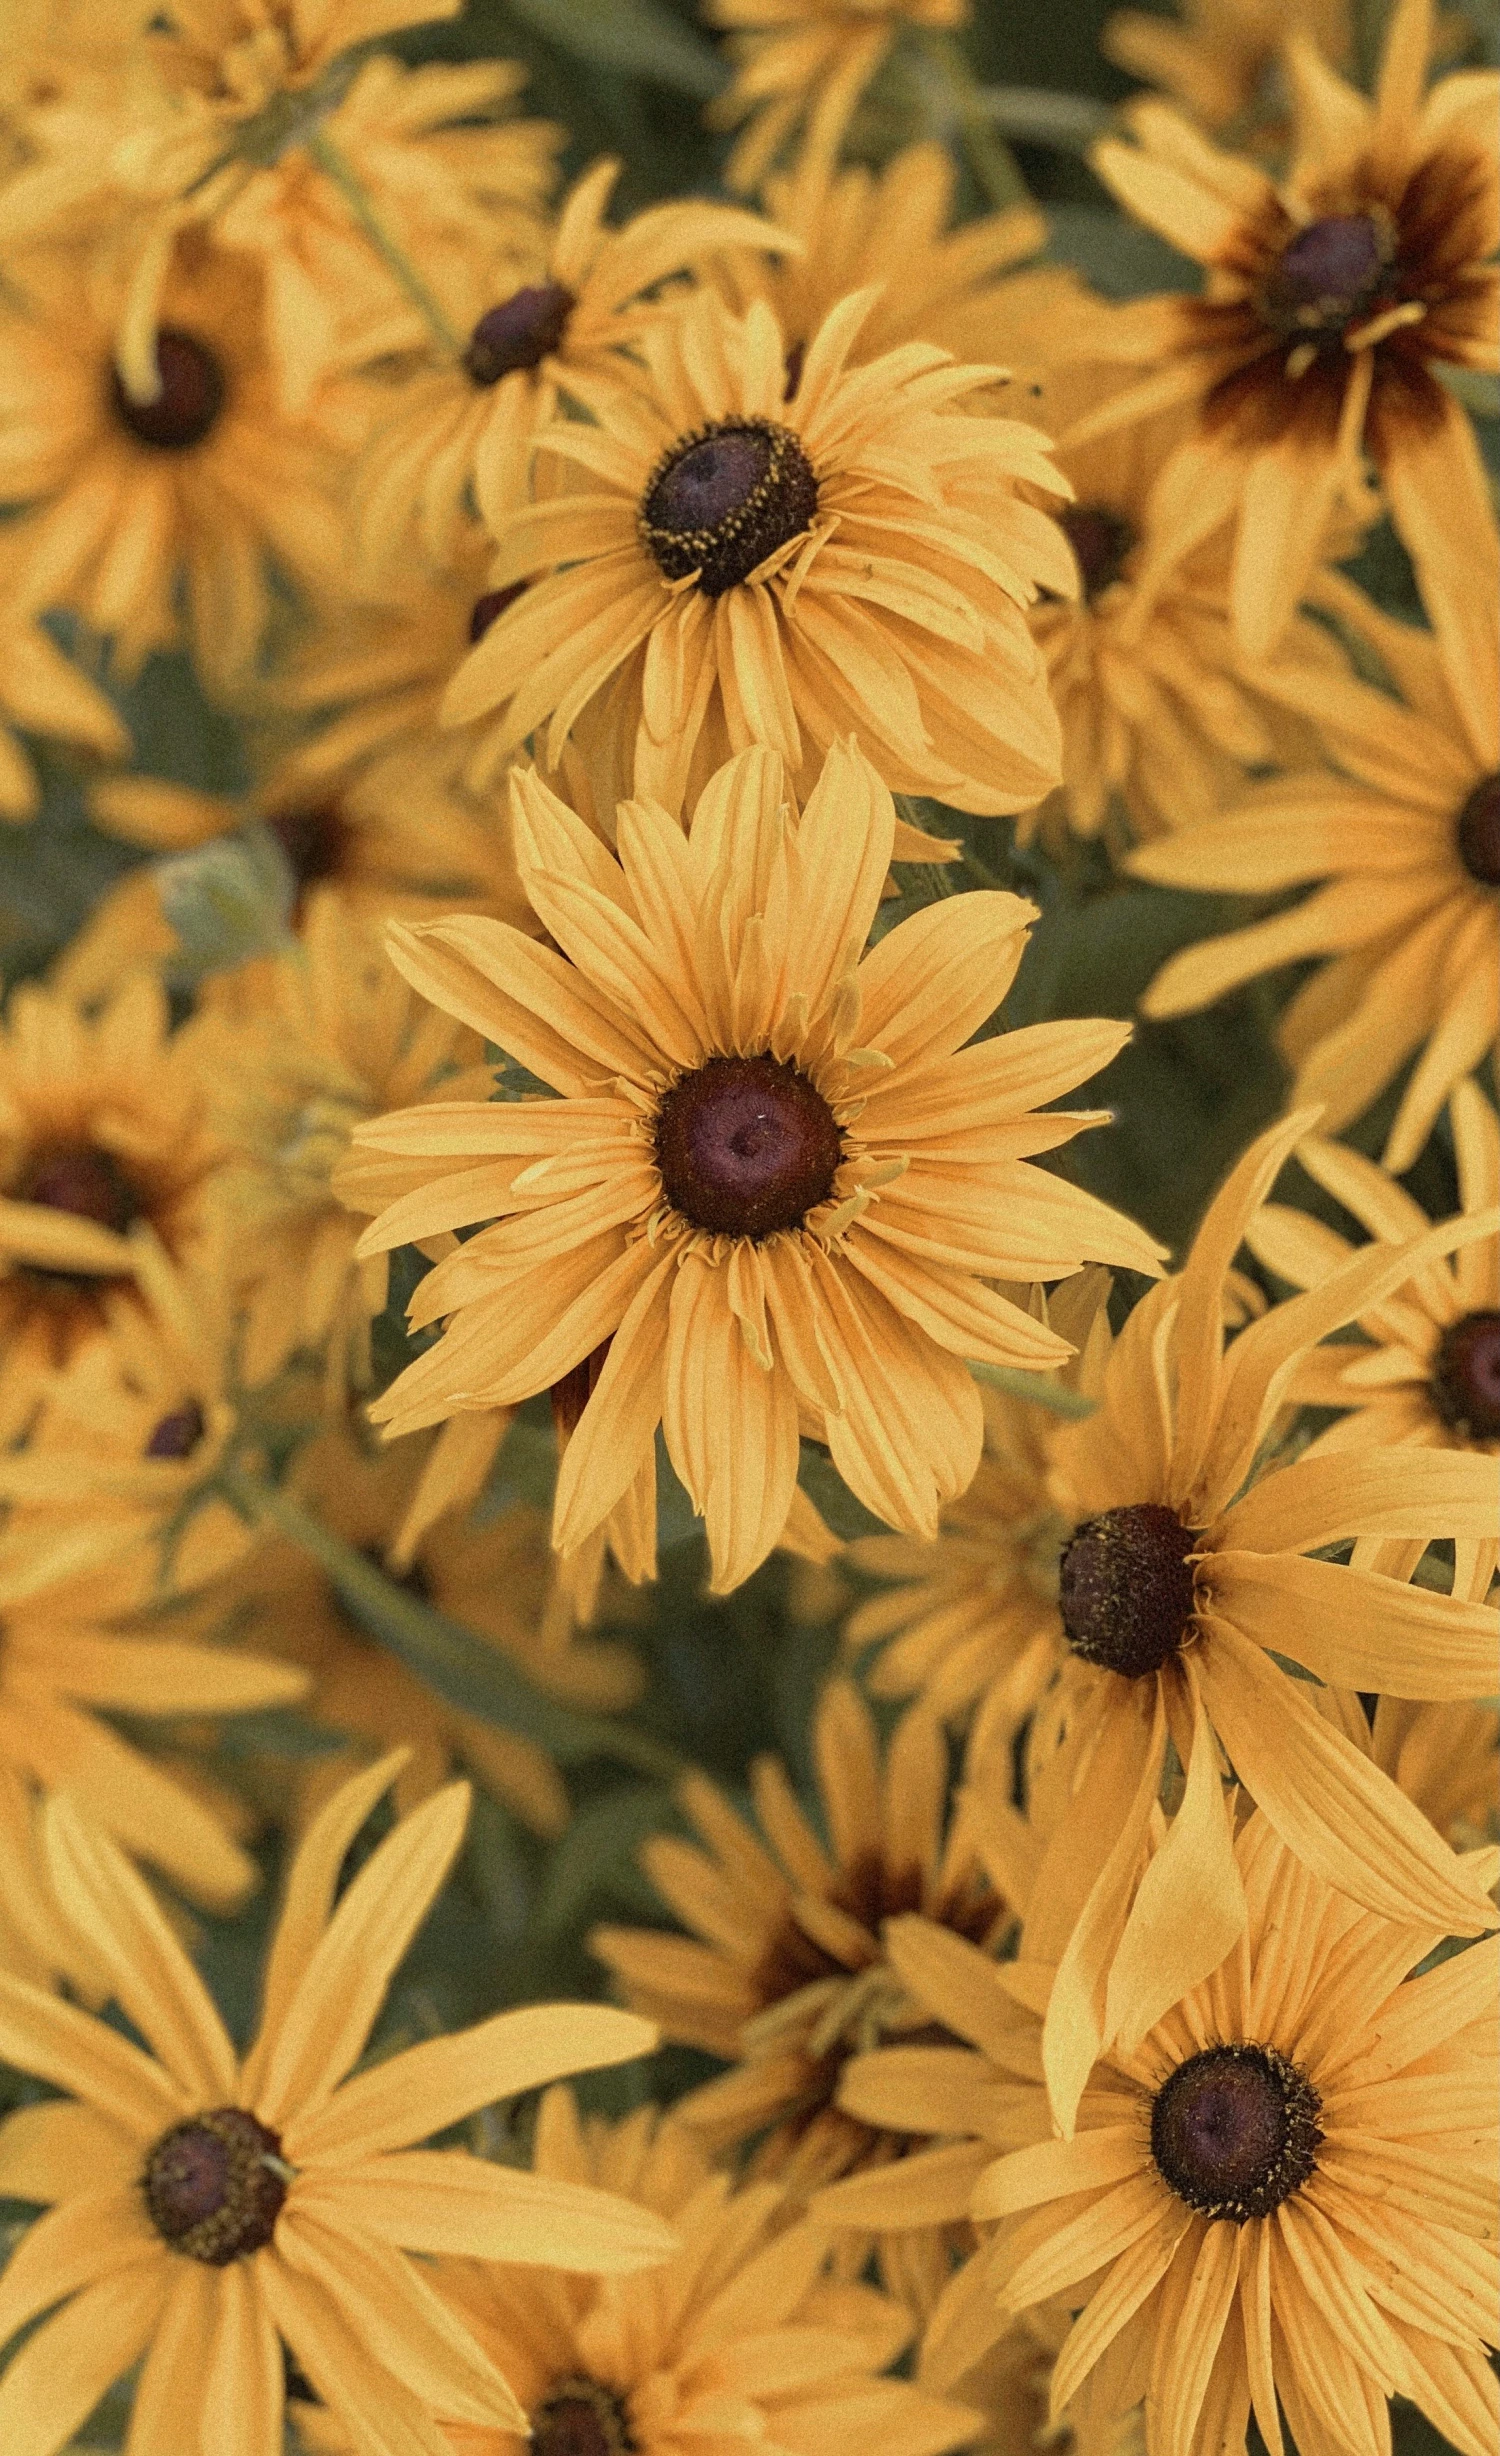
(724, 498)
(1326, 275)
(581, 2417)
(1101, 541)
(214, 2186)
(190, 399)
(746, 1145)
(178, 1434)
(1465, 1382)
(84, 1181)
(1479, 832)
(1126, 1589)
(522, 331)
(1234, 2131)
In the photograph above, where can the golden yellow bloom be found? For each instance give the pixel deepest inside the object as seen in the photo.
(805, 64)
(526, 322)
(1285, 2190)
(43, 692)
(771, 1192)
(1404, 844)
(197, 489)
(1220, 58)
(209, 2209)
(740, 2342)
(1443, 1757)
(101, 1125)
(1333, 300)
(750, 567)
(789, 1976)
(496, 1579)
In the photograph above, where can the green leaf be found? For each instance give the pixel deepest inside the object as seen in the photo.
(597, 1856)
(830, 1495)
(634, 38)
(1040, 1388)
(228, 900)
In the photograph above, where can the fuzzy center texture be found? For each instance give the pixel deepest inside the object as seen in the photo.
(1234, 2131)
(746, 1145)
(212, 2190)
(85, 1182)
(1466, 1376)
(188, 404)
(724, 498)
(1101, 541)
(522, 331)
(178, 1434)
(1126, 1589)
(1479, 832)
(1327, 275)
(580, 2417)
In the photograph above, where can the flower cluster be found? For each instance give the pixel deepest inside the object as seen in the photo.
(749, 1232)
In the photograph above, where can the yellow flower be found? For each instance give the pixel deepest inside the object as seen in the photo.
(1221, 58)
(770, 1193)
(1285, 2190)
(749, 567)
(526, 324)
(209, 2209)
(1404, 843)
(101, 1126)
(789, 1976)
(42, 692)
(807, 61)
(197, 489)
(1443, 1757)
(740, 2342)
(495, 1578)
(1333, 300)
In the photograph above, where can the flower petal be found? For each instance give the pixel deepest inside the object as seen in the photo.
(441, 2200)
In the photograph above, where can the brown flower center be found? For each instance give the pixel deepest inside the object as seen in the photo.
(522, 331)
(85, 1182)
(580, 2417)
(214, 2186)
(1234, 2131)
(1326, 276)
(178, 1434)
(315, 839)
(188, 404)
(724, 498)
(1101, 541)
(1465, 1382)
(746, 1145)
(1479, 832)
(1126, 1589)
(489, 608)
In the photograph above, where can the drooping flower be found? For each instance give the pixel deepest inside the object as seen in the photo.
(804, 64)
(770, 1193)
(788, 1977)
(1334, 298)
(1285, 2191)
(207, 2210)
(1402, 848)
(750, 566)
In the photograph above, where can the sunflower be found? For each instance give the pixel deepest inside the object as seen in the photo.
(1283, 2192)
(740, 2342)
(1221, 59)
(203, 487)
(711, 1210)
(803, 64)
(42, 692)
(750, 567)
(1333, 300)
(208, 2210)
(496, 1579)
(1404, 843)
(788, 1977)
(101, 1126)
(1172, 1593)
(526, 322)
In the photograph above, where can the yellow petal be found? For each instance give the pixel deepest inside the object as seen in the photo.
(440, 2200)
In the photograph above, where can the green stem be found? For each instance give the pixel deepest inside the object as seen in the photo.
(333, 166)
(990, 158)
(1039, 1388)
(473, 1676)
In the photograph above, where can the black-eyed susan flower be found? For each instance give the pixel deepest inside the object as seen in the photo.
(804, 64)
(788, 1976)
(752, 567)
(1400, 841)
(1284, 2192)
(1220, 59)
(1334, 298)
(207, 2209)
(774, 1184)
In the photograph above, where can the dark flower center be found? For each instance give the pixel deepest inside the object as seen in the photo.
(190, 399)
(571, 1395)
(1327, 275)
(178, 1434)
(1234, 2131)
(724, 498)
(1479, 832)
(1465, 1381)
(214, 2186)
(1126, 1589)
(522, 331)
(580, 2417)
(85, 1182)
(746, 1145)
(1101, 541)
(489, 608)
(315, 840)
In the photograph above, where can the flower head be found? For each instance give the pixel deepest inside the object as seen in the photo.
(42, 692)
(208, 2208)
(803, 64)
(1220, 59)
(770, 1192)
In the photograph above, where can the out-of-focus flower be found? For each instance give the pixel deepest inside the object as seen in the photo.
(781, 1212)
(1220, 58)
(207, 2209)
(1402, 848)
(43, 692)
(804, 64)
